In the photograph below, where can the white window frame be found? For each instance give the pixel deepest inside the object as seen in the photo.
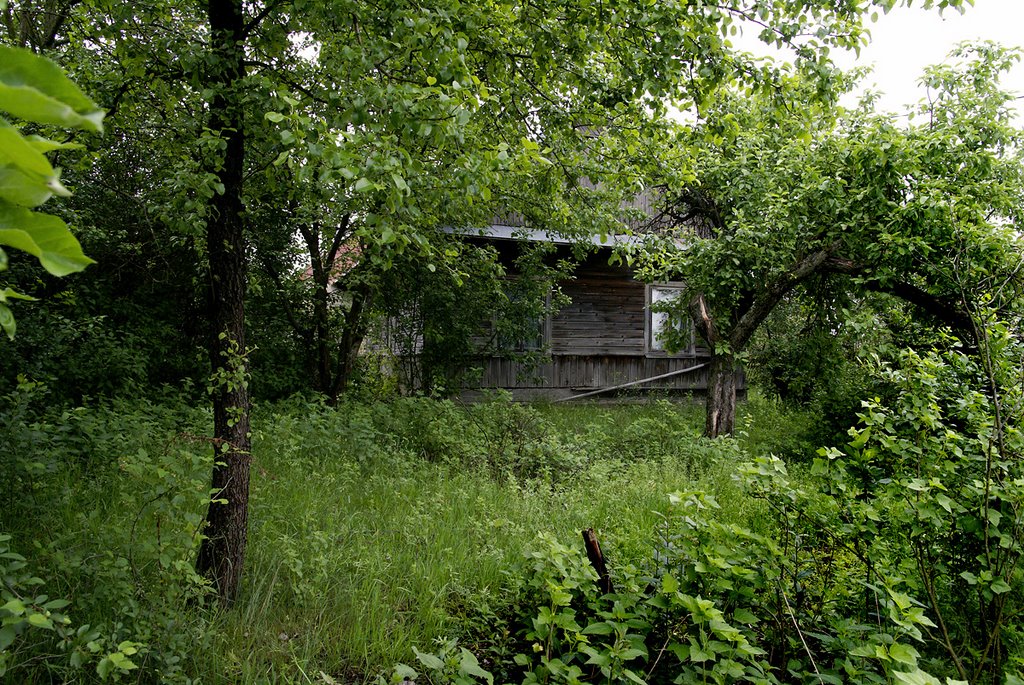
(654, 322)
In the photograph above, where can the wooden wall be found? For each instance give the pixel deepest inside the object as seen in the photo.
(606, 316)
(598, 341)
(580, 373)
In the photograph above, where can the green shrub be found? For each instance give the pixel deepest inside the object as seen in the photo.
(106, 504)
(717, 603)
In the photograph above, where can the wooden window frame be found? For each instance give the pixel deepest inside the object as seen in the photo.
(649, 349)
(545, 334)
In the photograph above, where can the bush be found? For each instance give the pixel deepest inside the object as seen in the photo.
(106, 504)
(716, 602)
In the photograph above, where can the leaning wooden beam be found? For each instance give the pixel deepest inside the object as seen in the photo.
(626, 385)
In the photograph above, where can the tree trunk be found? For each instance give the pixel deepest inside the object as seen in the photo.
(351, 341)
(721, 395)
(322, 328)
(720, 400)
(222, 552)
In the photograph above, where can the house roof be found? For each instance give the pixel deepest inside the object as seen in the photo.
(502, 231)
(514, 226)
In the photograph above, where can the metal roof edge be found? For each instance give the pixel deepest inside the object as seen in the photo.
(536, 235)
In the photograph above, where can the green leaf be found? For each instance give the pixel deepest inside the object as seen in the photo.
(597, 658)
(999, 586)
(863, 650)
(7, 636)
(603, 628)
(363, 185)
(44, 145)
(469, 664)
(43, 236)
(35, 89)
(10, 294)
(681, 651)
(7, 322)
(17, 150)
(745, 617)
(429, 660)
(634, 677)
(916, 677)
(699, 655)
(904, 654)
(14, 606)
(405, 672)
(40, 621)
(127, 647)
(24, 190)
(121, 661)
(103, 668)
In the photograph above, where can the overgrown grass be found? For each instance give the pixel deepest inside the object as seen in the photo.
(373, 528)
(359, 553)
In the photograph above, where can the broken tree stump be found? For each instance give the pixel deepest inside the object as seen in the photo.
(604, 581)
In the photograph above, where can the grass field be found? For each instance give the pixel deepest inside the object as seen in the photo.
(373, 528)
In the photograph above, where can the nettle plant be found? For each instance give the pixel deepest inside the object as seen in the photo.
(724, 604)
(34, 627)
(721, 604)
(893, 559)
(828, 613)
(932, 487)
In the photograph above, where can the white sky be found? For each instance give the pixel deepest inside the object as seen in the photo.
(906, 40)
(909, 39)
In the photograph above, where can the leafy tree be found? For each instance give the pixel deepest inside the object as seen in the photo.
(374, 125)
(417, 110)
(856, 204)
(388, 135)
(443, 323)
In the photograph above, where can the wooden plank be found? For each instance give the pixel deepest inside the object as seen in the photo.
(630, 384)
(595, 371)
(598, 351)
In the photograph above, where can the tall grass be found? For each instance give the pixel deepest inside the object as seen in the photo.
(373, 528)
(355, 558)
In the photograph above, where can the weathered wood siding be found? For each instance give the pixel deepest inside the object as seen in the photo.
(598, 341)
(606, 316)
(592, 372)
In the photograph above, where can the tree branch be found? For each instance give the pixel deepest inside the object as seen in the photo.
(944, 309)
(703, 321)
(253, 23)
(340, 234)
(766, 300)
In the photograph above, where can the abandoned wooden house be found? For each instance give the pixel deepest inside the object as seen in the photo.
(607, 341)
